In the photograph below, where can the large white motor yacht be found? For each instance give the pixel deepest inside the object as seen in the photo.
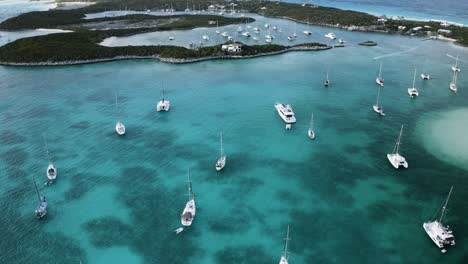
(330, 36)
(286, 113)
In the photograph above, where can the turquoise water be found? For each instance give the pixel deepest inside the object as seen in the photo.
(118, 199)
(12, 8)
(284, 28)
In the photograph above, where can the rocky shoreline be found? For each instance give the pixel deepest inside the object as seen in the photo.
(166, 60)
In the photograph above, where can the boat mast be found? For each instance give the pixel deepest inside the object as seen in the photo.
(285, 252)
(444, 208)
(37, 190)
(190, 193)
(378, 95)
(221, 141)
(414, 77)
(117, 105)
(47, 148)
(380, 71)
(397, 146)
(312, 122)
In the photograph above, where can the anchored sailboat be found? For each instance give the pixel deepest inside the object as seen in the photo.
(378, 108)
(395, 158)
(217, 27)
(119, 127)
(311, 132)
(221, 162)
(284, 255)
(188, 215)
(51, 171)
(41, 209)
(164, 104)
(453, 83)
(435, 229)
(327, 80)
(413, 91)
(455, 67)
(379, 80)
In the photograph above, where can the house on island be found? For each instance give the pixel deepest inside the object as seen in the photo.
(444, 31)
(234, 47)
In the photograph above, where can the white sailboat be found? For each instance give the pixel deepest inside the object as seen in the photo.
(284, 255)
(221, 162)
(413, 91)
(311, 132)
(217, 27)
(435, 229)
(119, 126)
(425, 75)
(455, 67)
(379, 80)
(41, 209)
(395, 158)
(453, 83)
(205, 37)
(378, 108)
(225, 34)
(164, 104)
(188, 215)
(51, 171)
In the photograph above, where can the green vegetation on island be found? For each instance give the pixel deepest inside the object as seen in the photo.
(82, 44)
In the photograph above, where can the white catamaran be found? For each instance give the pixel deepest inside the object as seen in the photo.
(379, 80)
(378, 108)
(164, 104)
(413, 91)
(395, 158)
(221, 162)
(311, 132)
(119, 126)
(440, 234)
(188, 215)
(284, 255)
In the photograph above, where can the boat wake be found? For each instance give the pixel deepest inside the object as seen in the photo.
(396, 53)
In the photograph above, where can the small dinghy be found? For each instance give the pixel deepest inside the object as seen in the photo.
(179, 230)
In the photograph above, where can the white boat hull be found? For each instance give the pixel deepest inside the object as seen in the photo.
(311, 134)
(286, 119)
(283, 260)
(188, 215)
(163, 105)
(413, 92)
(439, 234)
(453, 87)
(397, 161)
(120, 128)
(220, 163)
(379, 81)
(378, 110)
(51, 172)
(425, 76)
(455, 69)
